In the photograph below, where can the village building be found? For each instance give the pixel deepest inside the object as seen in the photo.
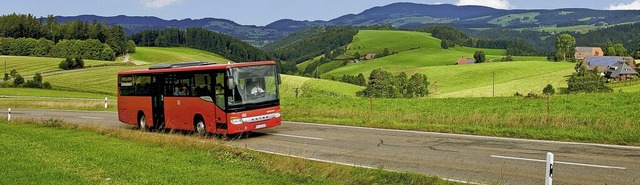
(462, 61)
(370, 56)
(584, 52)
(603, 62)
(620, 71)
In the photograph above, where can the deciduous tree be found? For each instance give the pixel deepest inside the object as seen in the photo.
(564, 45)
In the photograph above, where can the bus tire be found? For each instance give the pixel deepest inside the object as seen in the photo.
(142, 122)
(199, 126)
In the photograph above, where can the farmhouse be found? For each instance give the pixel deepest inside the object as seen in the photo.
(584, 52)
(462, 61)
(370, 56)
(603, 62)
(620, 71)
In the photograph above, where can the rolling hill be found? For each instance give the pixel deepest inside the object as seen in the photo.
(100, 81)
(420, 52)
(399, 15)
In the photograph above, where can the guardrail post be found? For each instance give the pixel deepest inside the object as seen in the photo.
(548, 179)
(9, 115)
(106, 99)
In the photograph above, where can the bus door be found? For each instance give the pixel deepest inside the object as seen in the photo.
(220, 99)
(157, 101)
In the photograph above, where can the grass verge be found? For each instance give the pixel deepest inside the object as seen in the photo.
(595, 118)
(52, 152)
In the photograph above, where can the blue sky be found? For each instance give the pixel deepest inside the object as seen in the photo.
(262, 12)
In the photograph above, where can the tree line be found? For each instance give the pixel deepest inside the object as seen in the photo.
(382, 84)
(451, 37)
(26, 35)
(18, 81)
(199, 38)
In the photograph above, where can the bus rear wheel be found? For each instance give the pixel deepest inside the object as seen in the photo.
(199, 127)
(142, 123)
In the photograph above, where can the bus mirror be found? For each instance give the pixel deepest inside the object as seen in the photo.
(230, 83)
(279, 79)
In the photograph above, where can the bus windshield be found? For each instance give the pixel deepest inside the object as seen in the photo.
(252, 87)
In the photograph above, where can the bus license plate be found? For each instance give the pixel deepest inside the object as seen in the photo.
(259, 126)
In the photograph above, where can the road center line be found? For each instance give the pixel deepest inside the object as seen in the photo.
(87, 117)
(560, 162)
(294, 136)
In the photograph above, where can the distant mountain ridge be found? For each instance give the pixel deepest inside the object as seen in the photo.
(399, 15)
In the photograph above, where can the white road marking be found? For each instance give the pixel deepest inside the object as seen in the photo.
(346, 164)
(294, 136)
(469, 136)
(37, 114)
(560, 162)
(87, 117)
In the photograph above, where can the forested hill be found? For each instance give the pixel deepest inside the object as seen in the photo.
(398, 15)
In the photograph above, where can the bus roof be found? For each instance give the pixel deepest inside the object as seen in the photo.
(177, 67)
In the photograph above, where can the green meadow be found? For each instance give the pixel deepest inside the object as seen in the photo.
(456, 108)
(27, 66)
(155, 55)
(593, 118)
(52, 152)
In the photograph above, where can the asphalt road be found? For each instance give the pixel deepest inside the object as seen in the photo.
(474, 159)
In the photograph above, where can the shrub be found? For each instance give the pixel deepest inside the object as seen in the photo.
(66, 64)
(18, 80)
(549, 90)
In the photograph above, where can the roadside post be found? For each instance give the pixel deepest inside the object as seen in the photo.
(9, 115)
(106, 99)
(548, 179)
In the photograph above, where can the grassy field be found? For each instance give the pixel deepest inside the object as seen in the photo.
(472, 80)
(30, 65)
(312, 86)
(504, 20)
(510, 77)
(52, 152)
(597, 118)
(155, 55)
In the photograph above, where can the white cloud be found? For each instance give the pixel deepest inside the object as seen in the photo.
(499, 4)
(158, 3)
(635, 5)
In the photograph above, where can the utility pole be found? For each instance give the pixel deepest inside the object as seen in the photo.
(494, 83)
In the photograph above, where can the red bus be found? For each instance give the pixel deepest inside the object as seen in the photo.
(201, 97)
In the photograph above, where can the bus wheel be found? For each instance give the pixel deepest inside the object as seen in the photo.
(142, 123)
(200, 128)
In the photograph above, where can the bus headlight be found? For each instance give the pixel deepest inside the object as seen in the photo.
(276, 115)
(236, 121)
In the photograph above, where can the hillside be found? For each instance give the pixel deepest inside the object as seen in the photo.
(99, 81)
(414, 49)
(397, 43)
(420, 52)
(399, 15)
(154, 55)
(27, 66)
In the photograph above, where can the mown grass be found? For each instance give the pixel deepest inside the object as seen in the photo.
(51, 152)
(598, 118)
(510, 77)
(54, 103)
(312, 86)
(103, 81)
(27, 66)
(49, 93)
(155, 55)
(506, 19)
